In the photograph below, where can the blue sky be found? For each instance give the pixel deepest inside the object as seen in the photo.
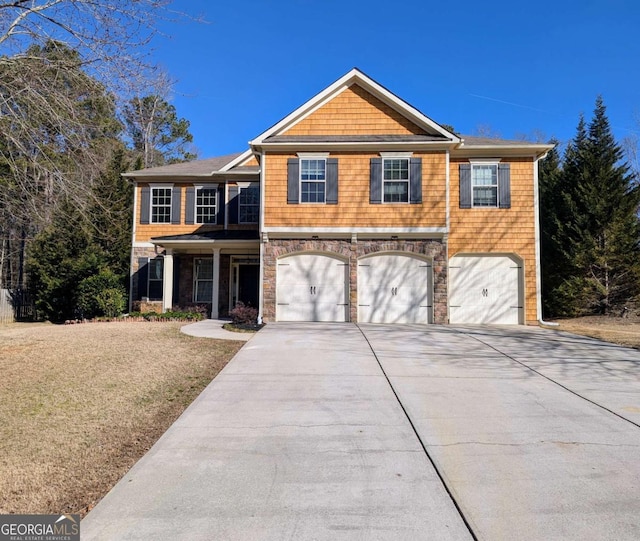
(515, 67)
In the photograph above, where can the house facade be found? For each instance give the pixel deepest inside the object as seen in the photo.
(354, 207)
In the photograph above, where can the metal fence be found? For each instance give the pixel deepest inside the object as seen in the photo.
(16, 305)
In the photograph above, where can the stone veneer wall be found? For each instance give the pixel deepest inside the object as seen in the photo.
(433, 249)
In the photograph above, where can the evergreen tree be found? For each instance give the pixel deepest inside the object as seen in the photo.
(111, 214)
(551, 207)
(60, 258)
(591, 243)
(609, 256)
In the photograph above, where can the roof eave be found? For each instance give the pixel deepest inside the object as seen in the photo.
(526, 150)
(359, 145)
(222, 243)
(215, 175)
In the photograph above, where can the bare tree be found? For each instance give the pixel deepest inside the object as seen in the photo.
(65, 66)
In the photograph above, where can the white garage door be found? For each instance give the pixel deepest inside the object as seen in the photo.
(312, 287)
(485, 289)
(394, 288)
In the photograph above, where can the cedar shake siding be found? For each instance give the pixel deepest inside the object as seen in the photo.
(354, 112)
(353, 207)
(499, 230)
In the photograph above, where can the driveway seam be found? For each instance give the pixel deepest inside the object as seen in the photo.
(422, 444)
(553, 381)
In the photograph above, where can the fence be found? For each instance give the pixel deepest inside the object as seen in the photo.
(16, 305)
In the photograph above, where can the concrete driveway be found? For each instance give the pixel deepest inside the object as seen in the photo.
(339, 431)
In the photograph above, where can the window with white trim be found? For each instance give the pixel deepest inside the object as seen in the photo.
(249, 205)
(484, 184)
(395, 180)
(206, 204)
(313, 180)
(161, 205)
(203, 279)
(155, 275)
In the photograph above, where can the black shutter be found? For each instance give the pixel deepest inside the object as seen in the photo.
(233, 204)
(465, 185)
(145, 204)
(221, 205)
(375, 185)
(293, 181)
(190, 205)
(415, 180)
(332, 181)
(143, 278)
(504, 185)
(175, 204)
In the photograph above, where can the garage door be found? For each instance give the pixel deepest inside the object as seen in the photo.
(485, 289)
(394, 288)
(312, 287)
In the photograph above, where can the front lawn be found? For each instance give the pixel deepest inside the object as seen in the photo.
(80, 404)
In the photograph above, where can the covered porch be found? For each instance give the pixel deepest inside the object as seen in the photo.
(216, 269)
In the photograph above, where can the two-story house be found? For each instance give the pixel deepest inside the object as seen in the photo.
(354, 207)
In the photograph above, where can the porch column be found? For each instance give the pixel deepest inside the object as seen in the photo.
(167, 282)
(216, 283)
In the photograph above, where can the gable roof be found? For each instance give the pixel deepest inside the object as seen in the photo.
(355, 77)
(231, 163)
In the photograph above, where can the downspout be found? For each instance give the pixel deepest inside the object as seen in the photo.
(536, 206)
(445, 239)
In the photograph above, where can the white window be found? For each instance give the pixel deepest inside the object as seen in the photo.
(203, 280)
(484, 184)
(206, 205)
(249, 204)
(313, 180)
(161, 205)
(395, 180)
(154, 286)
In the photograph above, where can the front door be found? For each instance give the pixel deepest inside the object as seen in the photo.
(248, 277)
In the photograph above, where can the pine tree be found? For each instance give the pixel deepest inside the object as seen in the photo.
(551, 206)
(592, 239)
(609, 257)
(111, 214)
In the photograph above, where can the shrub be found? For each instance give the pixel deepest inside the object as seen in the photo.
(111, 301)
(200, 309)
(101, 295)
(243, 314)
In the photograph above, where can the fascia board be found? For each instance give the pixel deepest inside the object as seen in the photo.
(185, 244)
(367, 146)
(194, 178)
(535, 151)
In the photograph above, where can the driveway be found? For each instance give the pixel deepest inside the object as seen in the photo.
(339, 431)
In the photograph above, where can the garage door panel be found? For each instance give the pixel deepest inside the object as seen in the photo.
(394, 288)
(485, 290)
(311, 287)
